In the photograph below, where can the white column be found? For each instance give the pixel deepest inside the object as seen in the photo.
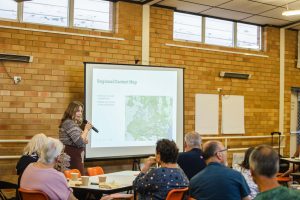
(145, 35)
(281, 83)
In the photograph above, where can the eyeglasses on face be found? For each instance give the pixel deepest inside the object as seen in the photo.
(222, 150)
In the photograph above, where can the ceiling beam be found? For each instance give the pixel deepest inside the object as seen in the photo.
(151, 2)
(291, 25)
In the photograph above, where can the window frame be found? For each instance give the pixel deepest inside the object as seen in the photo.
(111, 19)
(70, 18)
(234, 36)
(192, 41)
(260, 35)
(13, 20)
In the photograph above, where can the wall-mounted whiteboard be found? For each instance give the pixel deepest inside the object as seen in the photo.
(233, 121)
(207, 114)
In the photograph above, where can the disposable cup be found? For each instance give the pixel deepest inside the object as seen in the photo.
(74, 176)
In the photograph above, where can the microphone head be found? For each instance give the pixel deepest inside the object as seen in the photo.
(85, 121)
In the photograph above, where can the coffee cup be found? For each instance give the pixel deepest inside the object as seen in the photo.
(74, 176)
(102, 179)
(85, 180)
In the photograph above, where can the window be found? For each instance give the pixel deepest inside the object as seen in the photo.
(54, 12)
(219, 32)
(216, 31)
(248, 36)
(95, 14)
(8, 9)
(187, 27)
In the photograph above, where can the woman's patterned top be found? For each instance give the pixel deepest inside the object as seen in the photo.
(157, 182)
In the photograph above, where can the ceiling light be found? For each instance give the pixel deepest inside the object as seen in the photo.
(291, 12)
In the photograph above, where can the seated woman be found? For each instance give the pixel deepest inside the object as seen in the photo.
(42, 176)
(293, 168)
(31, 153)
(156, 183)
(244, 168)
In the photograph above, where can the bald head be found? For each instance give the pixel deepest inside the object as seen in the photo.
(210, 148)
(264, 161)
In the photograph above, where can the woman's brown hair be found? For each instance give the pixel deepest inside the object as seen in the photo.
(71, 110)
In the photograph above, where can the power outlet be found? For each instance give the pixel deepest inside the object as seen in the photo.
(17, 79)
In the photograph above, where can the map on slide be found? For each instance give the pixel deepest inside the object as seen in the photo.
(148, 118)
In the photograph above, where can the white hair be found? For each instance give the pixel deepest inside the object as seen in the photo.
(52, 149)
(35, 145)
(193, 139)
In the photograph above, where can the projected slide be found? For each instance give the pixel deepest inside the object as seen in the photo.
(148, 118)
(132, 107)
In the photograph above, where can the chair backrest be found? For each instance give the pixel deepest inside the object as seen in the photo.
(32, 194)
(93, 171)
(68, 172)
(176, 194)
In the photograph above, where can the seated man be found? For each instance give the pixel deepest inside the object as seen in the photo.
(191, 161)
(216, 181)
(264, 165)
(42, 176)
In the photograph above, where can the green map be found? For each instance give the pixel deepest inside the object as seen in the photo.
(148, 118)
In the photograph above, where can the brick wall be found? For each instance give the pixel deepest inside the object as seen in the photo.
(56, 75)
(202, 69)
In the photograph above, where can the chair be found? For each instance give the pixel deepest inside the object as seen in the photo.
(6, 185)
(32, 194)
(283, 180)
(176, 194)
(68, 172)
(93, 171)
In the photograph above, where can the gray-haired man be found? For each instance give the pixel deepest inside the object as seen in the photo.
(264, 165)
(191, 161)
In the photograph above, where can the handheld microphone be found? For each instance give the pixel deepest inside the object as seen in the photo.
(96, 130)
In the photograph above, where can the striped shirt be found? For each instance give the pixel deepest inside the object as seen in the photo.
(70, 134)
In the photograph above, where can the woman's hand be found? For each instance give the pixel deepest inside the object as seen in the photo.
(88, 126)
(149, 161)
(84, 134)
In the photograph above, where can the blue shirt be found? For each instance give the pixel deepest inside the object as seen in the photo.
(156, 183)
(218, 182)
(191, 162)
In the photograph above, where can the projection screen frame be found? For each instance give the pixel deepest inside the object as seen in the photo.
(123, 157)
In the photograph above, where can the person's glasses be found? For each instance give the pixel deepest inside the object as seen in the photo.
(221, 150)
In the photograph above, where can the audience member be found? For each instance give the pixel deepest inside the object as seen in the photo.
(42, 176)
(244, 168)
(264, 165)
(31, 153)
(72, 136)
(295, 167)
(156, 183)
(216, 181)
(191, 161)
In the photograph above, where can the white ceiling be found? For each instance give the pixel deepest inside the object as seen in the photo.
(262, 12)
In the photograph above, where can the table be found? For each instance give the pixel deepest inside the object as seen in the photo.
(122, 181)
(293, 161)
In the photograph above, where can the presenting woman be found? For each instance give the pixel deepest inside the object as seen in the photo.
(72, 136)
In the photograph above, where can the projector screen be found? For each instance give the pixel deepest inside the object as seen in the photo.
(132, 107)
